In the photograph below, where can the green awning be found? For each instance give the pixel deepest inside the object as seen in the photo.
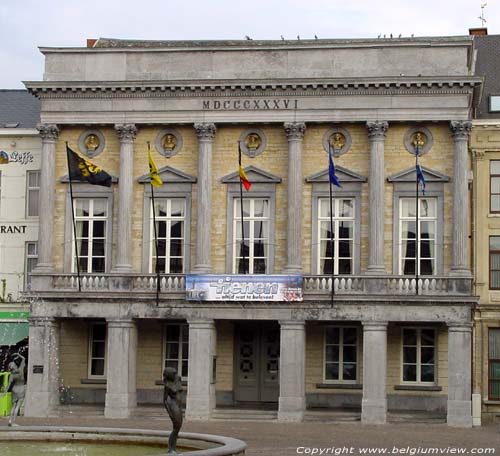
(12, 332)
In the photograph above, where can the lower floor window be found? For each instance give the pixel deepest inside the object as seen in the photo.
(97, 350)
(494, 364)
(177, 347)
(419, 355)
(31, 262)
(341, 354)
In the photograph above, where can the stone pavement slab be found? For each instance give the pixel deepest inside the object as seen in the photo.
(280, 439)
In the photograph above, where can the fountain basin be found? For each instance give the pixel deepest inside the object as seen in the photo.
(192, 444)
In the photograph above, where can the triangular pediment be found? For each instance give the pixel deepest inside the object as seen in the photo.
(408, 175)
(169, 175)
(65, 180)
(343, 175)
(255, 176)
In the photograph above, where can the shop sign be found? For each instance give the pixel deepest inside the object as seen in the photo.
(212, 287)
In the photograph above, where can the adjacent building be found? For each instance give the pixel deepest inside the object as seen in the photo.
(485, 148)
(311, 302)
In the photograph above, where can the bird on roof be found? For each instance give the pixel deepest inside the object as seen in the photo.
(400, 35)
(391, 35)
(298, 37)
(283, 38)
(379, 36)
(315, 37)
(247, 37)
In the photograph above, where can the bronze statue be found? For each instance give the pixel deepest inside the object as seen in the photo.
(169, 142)
(171, 399)
(337, 141)
(91, 143)
(16, 385)
(253, 141)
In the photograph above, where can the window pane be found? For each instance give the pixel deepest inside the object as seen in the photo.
(332, 371)
(172, 350)
(98, 247)
(495, 185)
(427, 373)
(409, 337)
(325, 232)
(495, 203)
(428, 230)
(259, 266)
(345, 267)
(246, 207)
(33, 203)
(98, 349)
(349, 371)
(350, 336)
(426, 249)
(332, 335)
(428, 337)
(346, 208)
(99, 229)
(32, 248)
(176, 247)
(427, 207)
(495, 167)
(173, 332)
(246, 227)
(332, 353)
(177, 207)
(259, 249)
(261, 208)
(409, 373)
(349, 354)
(408, 207)
(176, 229)
(97, 367)
(100, 207)
(427, 355)
(494, 242)
(176, 265)
(324, 207)
(345, 249)
(99, 332)
(409, 355)
(81, 207)
(426, 267)
(408, 230)
(98, 265)
(345, 229)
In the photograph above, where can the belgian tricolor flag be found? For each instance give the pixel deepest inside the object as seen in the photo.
(80, 169)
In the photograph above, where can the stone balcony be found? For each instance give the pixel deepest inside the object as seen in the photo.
(315, 287)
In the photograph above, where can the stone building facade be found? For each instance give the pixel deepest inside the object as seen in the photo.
(386, 340)
(485, 151)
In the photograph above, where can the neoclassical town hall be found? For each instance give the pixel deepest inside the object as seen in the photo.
(248, 316)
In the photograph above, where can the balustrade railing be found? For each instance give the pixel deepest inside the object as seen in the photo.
(313, 284)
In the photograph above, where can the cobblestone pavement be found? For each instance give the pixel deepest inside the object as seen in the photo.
(277, 439)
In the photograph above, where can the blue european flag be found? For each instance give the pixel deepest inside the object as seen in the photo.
(331, 170)
(420, 177)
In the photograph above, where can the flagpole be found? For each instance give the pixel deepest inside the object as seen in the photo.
(157, 270)
(331, 228)
(417, 243)
(73, 219)
(241, 213)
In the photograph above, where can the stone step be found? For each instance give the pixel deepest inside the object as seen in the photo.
(416, 417)
(333, 416)
(244, 414)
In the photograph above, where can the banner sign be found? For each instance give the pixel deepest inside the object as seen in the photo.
(212, 287)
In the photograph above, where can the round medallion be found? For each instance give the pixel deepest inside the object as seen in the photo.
(337, 139)
(252, 142)
(91, 143)
(418, 138)
(168, 142)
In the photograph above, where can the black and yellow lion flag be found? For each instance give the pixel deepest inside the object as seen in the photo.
(80, 169)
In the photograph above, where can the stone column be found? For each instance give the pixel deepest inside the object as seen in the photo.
(121, 360)
(460, 132)
(200, 400)
(49, 134)
(42, 391)
(295, 134)
(376, 135)
(374, 403)
(205, 133)
(459, 375)
(292, 400)
(126, 135)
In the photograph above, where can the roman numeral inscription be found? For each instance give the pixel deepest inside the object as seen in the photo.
(250, 104)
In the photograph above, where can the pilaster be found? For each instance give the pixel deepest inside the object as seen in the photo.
(42, 389)
(49, 134)
(376, 134)
(374, 402)
(295, 135)
(206, 134)
(292, 400)
(460, 133)
(200, 400)
(121, 361)
(126, 135)
(459, 376)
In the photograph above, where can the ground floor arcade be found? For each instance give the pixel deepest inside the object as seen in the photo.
(416, 358)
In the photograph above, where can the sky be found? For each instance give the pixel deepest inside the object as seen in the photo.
(27, 24)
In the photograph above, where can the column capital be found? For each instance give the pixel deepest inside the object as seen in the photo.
(377, 129)
(201, 324)
(48, 132)
(460, 129)
(292, 324)
(294, 130)
(126, 132)
(374, 325)
(121, 323)
(43, 321)
(460, 327)
(205, 131)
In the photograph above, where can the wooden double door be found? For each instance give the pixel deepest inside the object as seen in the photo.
(257, 360)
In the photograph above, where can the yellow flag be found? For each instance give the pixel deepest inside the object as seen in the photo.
(154, 176)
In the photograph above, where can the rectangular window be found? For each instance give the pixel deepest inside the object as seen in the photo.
(495, 186)
(341, 354)
(97, 350)
(342, 247)
(494, 262)
(426, 243)
(494, 103)
(31, 261)
(252, 254)
(419, 355)
(91, 218)
(494, 364)
(170, 216)
(32, 192)
(177, 347)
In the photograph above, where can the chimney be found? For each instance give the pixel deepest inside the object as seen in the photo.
(91, 42)
(481, 31)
